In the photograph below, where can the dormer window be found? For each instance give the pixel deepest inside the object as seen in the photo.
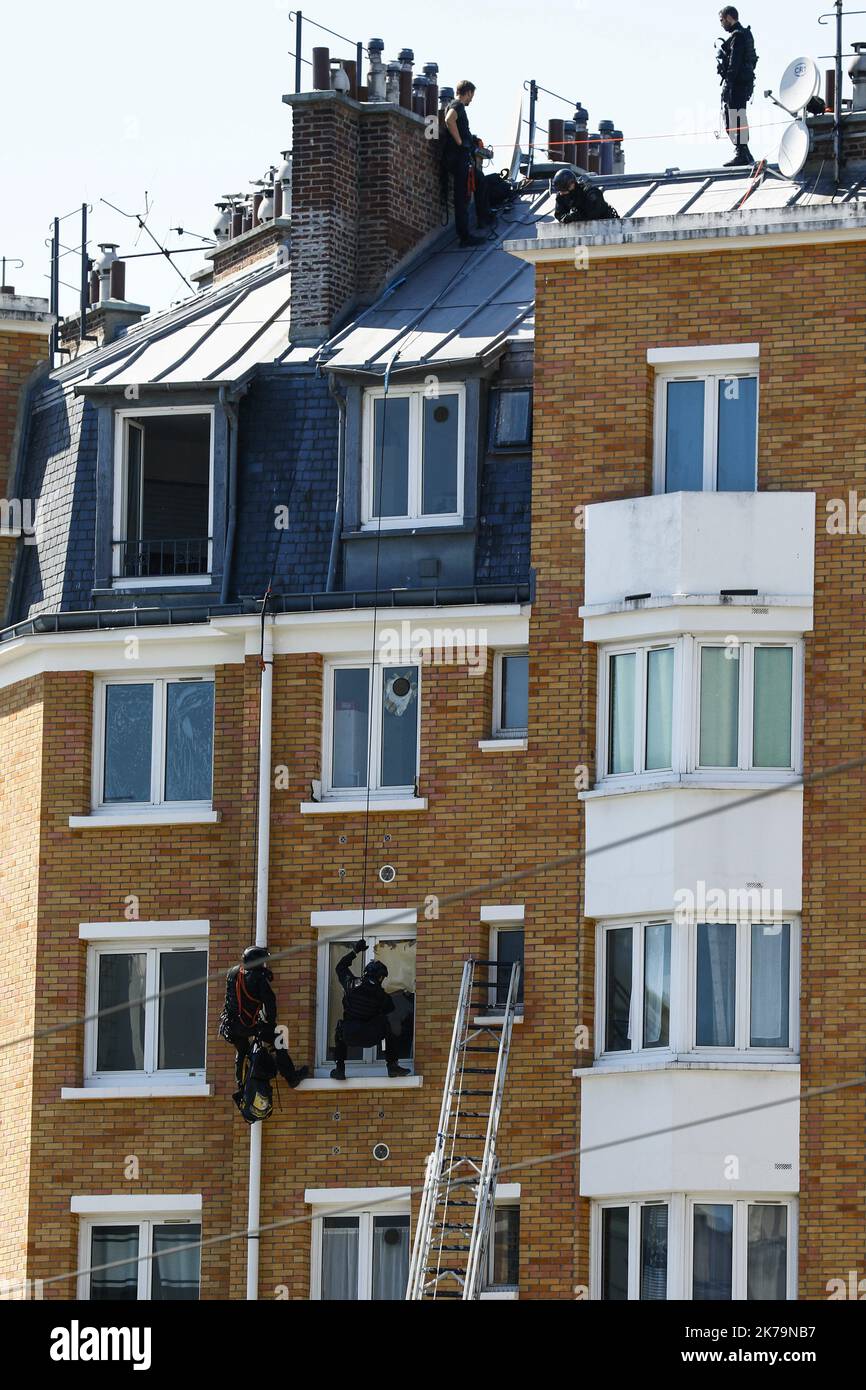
(163, 496)
(413, 456)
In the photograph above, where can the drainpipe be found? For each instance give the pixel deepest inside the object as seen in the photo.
(263, 855)
(230, 410)
(340, 397)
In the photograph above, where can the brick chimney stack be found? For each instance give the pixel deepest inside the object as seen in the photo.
(365, 193)
(25, 326)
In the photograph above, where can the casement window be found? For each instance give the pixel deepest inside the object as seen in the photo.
(503, 1251)
(361, 1254)
(511, 417)
(395, 947)
(413, 456)
(153, 742)
(706, 429)
(684, 986)
(129, 1260)
(506, 947)
(163, 495)
(700, 705)
(147, 1012)
(511, 694)
(746, 706)
(691, 1247)
(640, 710)
(371, 729)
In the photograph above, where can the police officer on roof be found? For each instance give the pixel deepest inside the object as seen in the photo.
(736, 65)
(458, 156)
(577, 200)
(366, 1010)
(250, 1014)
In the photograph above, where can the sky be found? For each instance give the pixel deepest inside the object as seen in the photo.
(179, 101)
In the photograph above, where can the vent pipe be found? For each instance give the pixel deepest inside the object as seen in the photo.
(376, 71)
(117, 280)
(618, 153)
(321, 69)
(103, 267)
(857, 73)
(568, 150)
(406, 58)
(581, 123)
(419, 95)
(556, 139)
(284, 177)
(223, 226)
(431, 72)
(392, 83)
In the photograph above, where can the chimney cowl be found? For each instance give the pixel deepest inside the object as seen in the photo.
(375, 46)
(446, 94)
(339, 77)
(108, 257)
(857, 73)
(406, 57)
(223, 224)
(431, 71)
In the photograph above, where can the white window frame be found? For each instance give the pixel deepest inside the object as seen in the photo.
(414, 517)
(707, 372)
(119, 510)
(685, 746)
(372, 933)
(641, 652)
(512, 924)
(145, 1224)
(683, 1004)
(151, 1073)
(369, 1207)
(376, 672)
(500, 730)
(745, 753)
(680, 1266)
(489, 1289)
(160, 680)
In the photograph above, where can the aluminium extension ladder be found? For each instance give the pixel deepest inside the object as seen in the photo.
(450, 1249)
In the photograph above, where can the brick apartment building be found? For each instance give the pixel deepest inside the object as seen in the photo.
(671, 402)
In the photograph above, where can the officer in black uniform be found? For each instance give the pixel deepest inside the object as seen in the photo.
(578, 200)
(250, 1013)
(458, 155)
(736, 67)
(366, 1010)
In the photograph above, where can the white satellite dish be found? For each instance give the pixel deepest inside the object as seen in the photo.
(801, 81)
(794, 149)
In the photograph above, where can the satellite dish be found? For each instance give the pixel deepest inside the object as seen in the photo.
(794, 149)
(514, 161)
(801, 81)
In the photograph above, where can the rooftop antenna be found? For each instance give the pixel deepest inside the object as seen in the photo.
(16, 264)
(136, 217)
(839, 14)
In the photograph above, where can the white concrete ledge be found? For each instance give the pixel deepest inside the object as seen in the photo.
(362, 1083)
(100, 820)
(493, 1020)
(131, 1202)
(685, 1063)
(135, 1092)
(358, 806)
(503, 745)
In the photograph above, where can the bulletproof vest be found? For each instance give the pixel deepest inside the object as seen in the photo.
(364, 1002)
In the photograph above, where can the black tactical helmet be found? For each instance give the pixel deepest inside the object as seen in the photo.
(564, 180)
(376, 971)
(256, 955)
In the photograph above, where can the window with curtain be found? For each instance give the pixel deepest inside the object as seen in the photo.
(637, 986)
(618, 990)
(373, 738)
(743, 684)
(767, 1252)
(653, 1251)
(364, 1256)
(720, 706)
(717, 985)
(413, 455)
(157, 742)
(707, 439)
(144, 1260)
(640, 710)
(150, 1013)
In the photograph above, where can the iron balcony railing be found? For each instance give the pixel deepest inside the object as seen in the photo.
(149, 559)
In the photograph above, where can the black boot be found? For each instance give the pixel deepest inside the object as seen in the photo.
(298, 1076)
(339, 1072)
(742, 159)
(395, 1070)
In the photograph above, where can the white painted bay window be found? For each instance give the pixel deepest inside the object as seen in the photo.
(413, 456)
(697, 705)
(725, 990)
(700, 1248)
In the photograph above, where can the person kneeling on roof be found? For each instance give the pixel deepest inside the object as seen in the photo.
(579, 201)
(248, 1022)
(366, 1013)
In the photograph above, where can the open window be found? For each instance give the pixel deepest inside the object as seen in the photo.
(413, 456)
(163, 496)
(706, 428)
(395, 947)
